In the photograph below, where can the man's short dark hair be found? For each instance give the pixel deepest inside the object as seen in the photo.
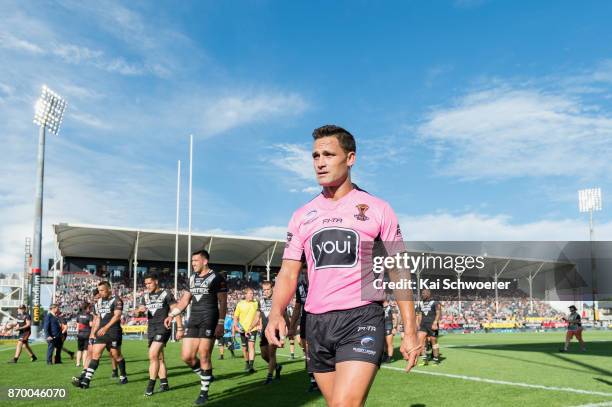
(152, 276)
(346, 139)
(104, 283)
(202, 253)
(267, 282)
(22, 306)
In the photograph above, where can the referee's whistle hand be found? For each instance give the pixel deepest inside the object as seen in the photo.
(410, 350)
(276, 324)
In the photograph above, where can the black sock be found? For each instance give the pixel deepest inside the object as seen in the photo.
(15, 359)
(163, 381)
(91, 369)
(251, 362)
(205, 379)
(115, 372)
(121, 365)
(196, 367)
(151, 384)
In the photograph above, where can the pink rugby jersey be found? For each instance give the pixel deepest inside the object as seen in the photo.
(328, 234)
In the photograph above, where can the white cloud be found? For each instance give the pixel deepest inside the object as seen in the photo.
(312, 190)
(271, 232)
(227, 112)
(509, 132)
(296, 159)
(474, 226)
(9, 41)
(88, 120)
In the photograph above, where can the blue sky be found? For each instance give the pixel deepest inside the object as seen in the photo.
(474, 119)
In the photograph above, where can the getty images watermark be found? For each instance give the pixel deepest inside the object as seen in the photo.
(474, 270)
(407, 262)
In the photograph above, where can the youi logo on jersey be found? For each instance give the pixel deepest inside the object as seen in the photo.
(335, 247)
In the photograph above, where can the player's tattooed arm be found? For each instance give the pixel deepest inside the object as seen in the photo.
(95, 326)
(178, 308)
(116, 317)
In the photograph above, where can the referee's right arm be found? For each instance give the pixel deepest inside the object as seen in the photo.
(284, 290)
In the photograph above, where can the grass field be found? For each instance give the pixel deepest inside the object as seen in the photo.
(477, 370)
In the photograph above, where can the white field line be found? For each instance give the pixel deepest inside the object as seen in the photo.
(602, 404)
(499, 382)
(503, 382)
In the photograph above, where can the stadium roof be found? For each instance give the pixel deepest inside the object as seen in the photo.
(110, 242)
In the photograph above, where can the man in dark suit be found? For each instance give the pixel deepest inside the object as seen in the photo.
(53, 330)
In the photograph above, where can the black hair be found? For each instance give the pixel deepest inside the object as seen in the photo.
(202, 253)
(346, 139)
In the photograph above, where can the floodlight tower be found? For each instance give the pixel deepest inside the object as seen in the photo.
(589, 200)
(48, 115)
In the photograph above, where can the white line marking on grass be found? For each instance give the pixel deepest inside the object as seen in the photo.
(506, 383)
(501, 382)
(603, 404)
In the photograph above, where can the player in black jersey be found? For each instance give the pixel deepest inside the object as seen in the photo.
(156, 302)
(107, 332)
(299, 317)
(428, 317)
(268, 352)
(389, 331)
(92, 339)
(24, 326)
(208, 298)
(84, 321)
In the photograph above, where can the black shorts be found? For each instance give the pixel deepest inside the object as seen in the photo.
(252, 338)
(202, 325)
(24, 336)
(346, 335)
(427, 328)
(82, 343)
(303, 325)
(225, 340)
(112, 339)
(158, 333)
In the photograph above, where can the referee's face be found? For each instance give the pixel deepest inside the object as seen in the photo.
(331, 163)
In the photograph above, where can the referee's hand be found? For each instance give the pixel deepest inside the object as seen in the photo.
(410, 349)
(276, 326)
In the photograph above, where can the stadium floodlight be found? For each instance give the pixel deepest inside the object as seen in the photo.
(49, 113)
(589, 200)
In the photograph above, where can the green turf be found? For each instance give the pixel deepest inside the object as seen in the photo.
(524, 358)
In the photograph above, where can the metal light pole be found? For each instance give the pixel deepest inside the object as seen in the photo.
(189, 211)
(48, 115)
(589, 200)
